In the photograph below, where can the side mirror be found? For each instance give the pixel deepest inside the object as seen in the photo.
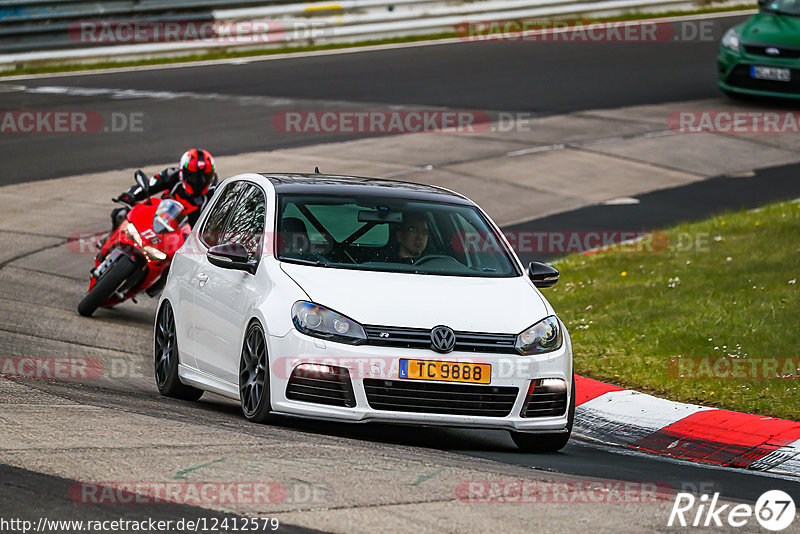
(542, 274)
(231, 256)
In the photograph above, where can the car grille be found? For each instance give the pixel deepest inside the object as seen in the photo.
(420, 338)
(786, 52)
(333, 389)
(740, 77)
(544, 401)
(434, 397)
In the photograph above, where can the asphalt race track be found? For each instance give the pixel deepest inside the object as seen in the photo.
(230, 107)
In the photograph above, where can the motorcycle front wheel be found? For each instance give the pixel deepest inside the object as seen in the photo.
(105, 287)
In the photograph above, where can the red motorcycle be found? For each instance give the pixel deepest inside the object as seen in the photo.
(137, 254)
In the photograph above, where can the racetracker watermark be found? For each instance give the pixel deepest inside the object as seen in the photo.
(732, 368)
(70, 122)
(735, 122)
(116, 32)
(562, 242)
(522, 241)
(51, 368)
(583, 492)
(774, 510)
(571, 31)
(191, 493)
(381, 121)
(582, 241)
(150, 525)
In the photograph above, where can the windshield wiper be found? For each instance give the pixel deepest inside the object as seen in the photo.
(316, 263)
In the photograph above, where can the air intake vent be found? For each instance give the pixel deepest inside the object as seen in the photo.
(433, 397)
(321, 384)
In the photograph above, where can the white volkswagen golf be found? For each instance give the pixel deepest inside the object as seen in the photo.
(357, 299)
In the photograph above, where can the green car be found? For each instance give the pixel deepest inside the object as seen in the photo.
(762, 55)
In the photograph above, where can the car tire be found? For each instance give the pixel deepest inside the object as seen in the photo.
(254, 375)
(166, 359)
(530, 442)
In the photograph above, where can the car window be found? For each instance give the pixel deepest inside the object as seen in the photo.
(215, 223)
(246, 223)
(477, 247)
(389, 234)
(292, 212)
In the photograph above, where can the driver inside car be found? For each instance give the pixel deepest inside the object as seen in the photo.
(412, 239)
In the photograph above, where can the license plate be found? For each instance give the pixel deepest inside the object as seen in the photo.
(471, 373)
(771, 73)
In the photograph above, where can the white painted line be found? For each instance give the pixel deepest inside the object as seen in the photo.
(124, 94)
(603, 140)
(660, 133)
(620, 201)
(535, 149)
(744, 174)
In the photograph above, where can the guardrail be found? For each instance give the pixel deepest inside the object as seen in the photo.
(44, 24)
(80, 31)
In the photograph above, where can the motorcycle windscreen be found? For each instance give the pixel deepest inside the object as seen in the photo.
(169, 216)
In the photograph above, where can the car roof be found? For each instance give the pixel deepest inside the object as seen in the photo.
(334, 184)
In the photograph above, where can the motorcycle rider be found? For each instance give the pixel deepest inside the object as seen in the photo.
(192, 184)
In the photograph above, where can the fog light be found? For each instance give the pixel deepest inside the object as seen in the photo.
(317, 369)
(547, 397)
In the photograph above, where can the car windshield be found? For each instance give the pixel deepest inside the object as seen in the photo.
(390, 235)
(788, 7)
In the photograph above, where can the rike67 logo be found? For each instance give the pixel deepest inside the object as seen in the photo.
(774, 510)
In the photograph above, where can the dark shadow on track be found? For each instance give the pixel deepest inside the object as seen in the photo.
(29, 496)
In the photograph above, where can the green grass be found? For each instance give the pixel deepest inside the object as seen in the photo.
(735, 294)
(24, 69)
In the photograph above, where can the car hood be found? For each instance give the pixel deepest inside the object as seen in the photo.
(498, 305)
(767, 28)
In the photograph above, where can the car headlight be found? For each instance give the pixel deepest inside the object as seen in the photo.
(133, 233)
(318, 321)
(731, 40)
(544, 336)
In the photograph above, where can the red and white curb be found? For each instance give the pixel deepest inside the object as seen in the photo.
(627, 418)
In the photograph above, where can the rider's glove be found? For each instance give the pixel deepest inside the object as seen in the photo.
(127, 198)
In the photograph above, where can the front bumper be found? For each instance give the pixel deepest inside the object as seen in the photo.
(734, 75)
(373, 362)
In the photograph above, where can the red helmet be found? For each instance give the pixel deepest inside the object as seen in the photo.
(197, 171)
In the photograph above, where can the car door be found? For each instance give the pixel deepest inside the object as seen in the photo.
(224, 301)
(186, 266)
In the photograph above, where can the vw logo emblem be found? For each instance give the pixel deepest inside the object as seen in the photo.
(443, 339)
(773, 51)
